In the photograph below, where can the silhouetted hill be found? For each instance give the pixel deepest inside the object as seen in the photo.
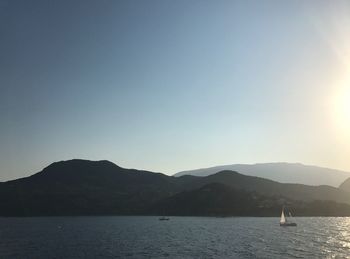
(218, 199)
(345, 185)
(81, 187)
(280, 172)
(84, 187)
(269, 187)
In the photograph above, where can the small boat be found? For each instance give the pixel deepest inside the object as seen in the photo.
(284, 222)
(164, 218)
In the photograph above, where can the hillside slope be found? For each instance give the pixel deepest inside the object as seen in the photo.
(280, 172)
(81, 187)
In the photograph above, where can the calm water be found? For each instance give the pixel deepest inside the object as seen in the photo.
(181, 237)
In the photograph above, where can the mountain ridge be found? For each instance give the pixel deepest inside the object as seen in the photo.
(283, 172)
(83, 187)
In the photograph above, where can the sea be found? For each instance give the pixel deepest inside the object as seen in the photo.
(179, 237)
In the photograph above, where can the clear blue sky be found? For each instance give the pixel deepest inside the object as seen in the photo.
(172, 85)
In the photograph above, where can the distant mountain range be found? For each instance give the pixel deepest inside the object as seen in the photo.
(280, 172)
(82, 187)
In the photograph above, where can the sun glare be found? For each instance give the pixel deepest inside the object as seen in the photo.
(342, 104)
(346, 104)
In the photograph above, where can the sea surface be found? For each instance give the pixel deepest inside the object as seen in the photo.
(180, 237)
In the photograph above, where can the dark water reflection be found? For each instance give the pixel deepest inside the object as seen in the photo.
(180, 237)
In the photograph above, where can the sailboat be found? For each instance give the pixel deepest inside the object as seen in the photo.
(284, 222)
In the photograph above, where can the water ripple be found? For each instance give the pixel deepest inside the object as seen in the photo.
(181, 237)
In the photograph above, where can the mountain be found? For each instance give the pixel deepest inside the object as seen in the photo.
(269, 187)
(82, 187)
(218, 199)
(345, 185)
(280, 172)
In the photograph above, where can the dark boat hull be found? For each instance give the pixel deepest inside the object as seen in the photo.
(289, 224)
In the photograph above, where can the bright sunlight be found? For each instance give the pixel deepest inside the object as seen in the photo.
(343, 107)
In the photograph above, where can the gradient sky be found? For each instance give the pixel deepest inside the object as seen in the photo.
(173, 85)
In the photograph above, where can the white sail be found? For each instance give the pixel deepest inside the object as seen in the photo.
(283, 219)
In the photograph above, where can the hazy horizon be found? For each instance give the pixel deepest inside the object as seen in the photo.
(168, 86)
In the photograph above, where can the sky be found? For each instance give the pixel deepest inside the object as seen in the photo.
(168, 85)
